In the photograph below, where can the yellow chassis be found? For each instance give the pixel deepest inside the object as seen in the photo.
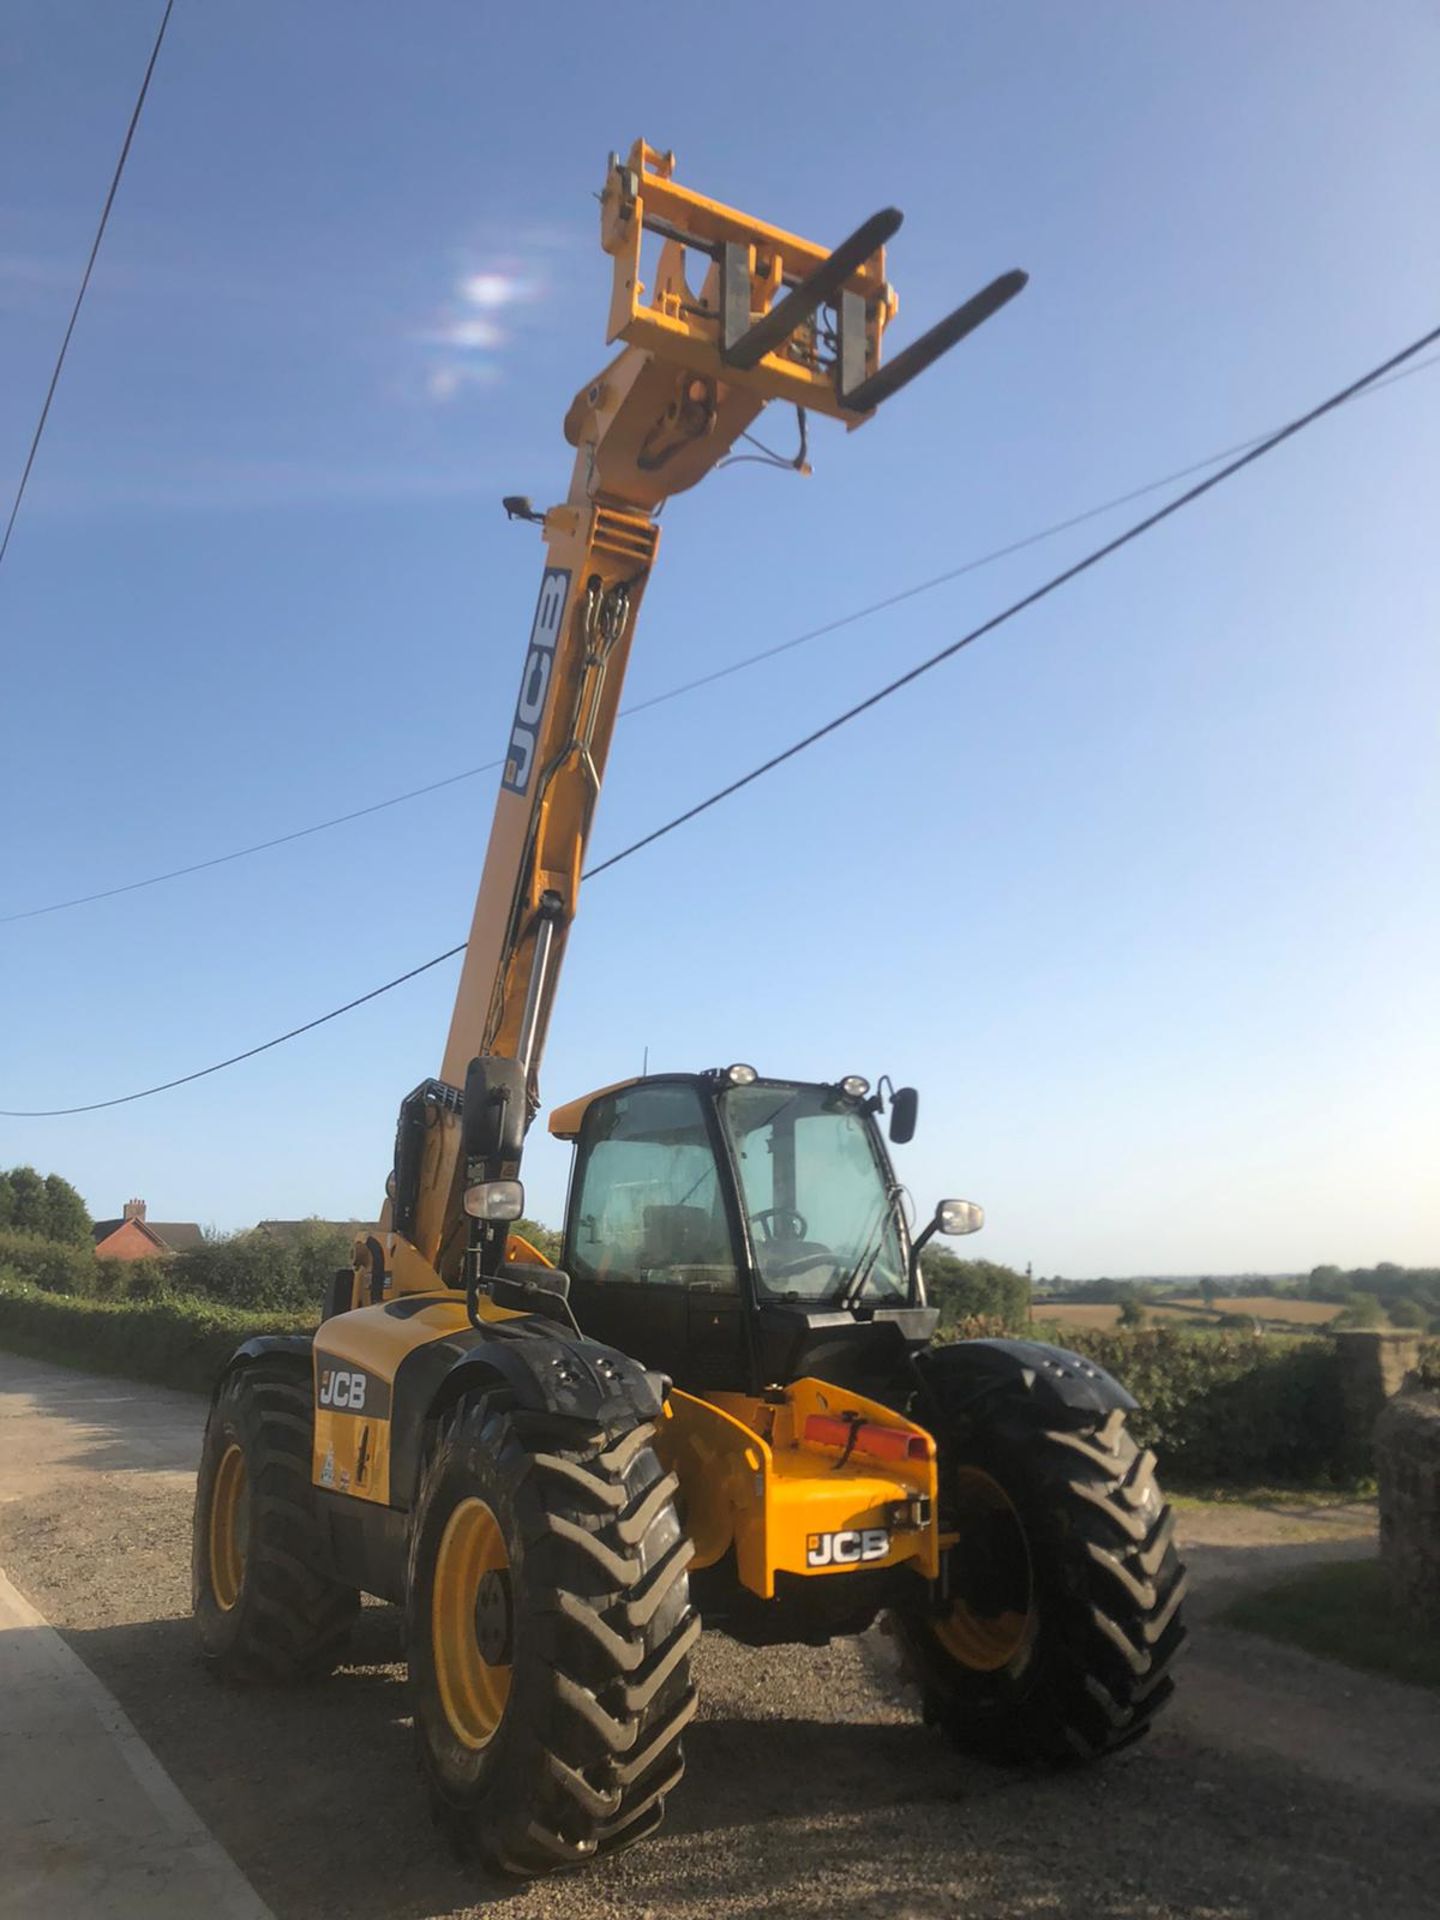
(753, 1475)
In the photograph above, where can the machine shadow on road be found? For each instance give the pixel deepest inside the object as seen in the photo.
(315, 1795)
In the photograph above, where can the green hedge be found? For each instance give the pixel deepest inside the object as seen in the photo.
(58, 1266)
(255, 1270)
(1429, 1369)
(178, 1343)
(1232, 1409)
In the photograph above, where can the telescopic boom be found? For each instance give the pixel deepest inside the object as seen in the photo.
(735, 313)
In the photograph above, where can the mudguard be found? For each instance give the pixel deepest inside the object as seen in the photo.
(1063, 1387)
(547, 1370)
(298, 1346)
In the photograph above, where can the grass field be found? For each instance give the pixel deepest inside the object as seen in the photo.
(1345, 1613)
(1105, 1318)
(1102, 1317)
(1301, 1313)
(1175, 1310)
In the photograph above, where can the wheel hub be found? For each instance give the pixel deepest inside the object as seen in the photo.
(992, 1612)
(471, 1617)
(493, 1624)
(229, 1528)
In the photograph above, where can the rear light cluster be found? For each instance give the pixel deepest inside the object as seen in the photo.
(881, 1443)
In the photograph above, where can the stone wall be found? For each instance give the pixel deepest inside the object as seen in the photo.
(1407, 1460)
(1373, 1367)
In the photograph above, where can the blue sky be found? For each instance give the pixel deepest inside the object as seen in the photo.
(1140, 891)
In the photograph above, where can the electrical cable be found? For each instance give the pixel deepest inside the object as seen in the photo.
(1037, 594)
(85, 280)
(1056, 581)
(703, 680)
(250, 1052)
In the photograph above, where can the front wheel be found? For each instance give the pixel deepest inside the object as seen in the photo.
(1061, 1616)
(549, 1631)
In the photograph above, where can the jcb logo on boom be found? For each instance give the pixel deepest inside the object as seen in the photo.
(343, 1391)
(535, 681)
(846, 1549)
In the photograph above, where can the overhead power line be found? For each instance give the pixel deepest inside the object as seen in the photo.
(85, 280)
(703, 680)
(891, 687)
(1052, 585)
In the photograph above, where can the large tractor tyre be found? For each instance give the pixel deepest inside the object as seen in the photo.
(549, 1632)
(1063, 1613)
(264, 1608)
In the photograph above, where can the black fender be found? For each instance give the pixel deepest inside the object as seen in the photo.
(1063, 1387)
(297, 1346)
(546, 1367)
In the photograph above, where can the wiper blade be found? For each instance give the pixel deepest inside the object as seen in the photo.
(849, 1294)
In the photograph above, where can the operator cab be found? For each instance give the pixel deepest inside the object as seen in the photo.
(734, 1232)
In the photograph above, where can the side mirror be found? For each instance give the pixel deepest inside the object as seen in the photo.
(951, 1217)
(904, 1105)
(494, 1115)
(954, 1217)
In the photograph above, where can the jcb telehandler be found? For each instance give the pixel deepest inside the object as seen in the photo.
(726, 1397)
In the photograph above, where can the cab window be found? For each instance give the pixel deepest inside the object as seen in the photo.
(648, 1205)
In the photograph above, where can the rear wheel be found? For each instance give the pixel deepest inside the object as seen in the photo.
(549, 1631)
(1062, 1618)
(264, 1607)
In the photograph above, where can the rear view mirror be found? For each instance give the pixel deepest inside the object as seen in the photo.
(953, 1217)
(904, 1105)
(494, 1115)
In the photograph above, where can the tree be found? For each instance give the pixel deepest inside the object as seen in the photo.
(67, 1217)
(1133, 1311)
(28, 1202)
(1408, 1313)
(1326, 1283)
(1360, 1310)
(544, 1239)
(975, 1289)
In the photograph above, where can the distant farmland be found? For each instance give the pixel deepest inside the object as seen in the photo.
(1183, 1311)
(1303, 1313)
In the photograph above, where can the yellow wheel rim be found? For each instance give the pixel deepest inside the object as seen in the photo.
(470, 1625)
(229, 1528)
(987, 1635)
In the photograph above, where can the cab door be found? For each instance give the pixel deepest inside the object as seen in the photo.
(649, 1244)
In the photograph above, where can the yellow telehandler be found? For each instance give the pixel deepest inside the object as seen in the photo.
(726, 1399)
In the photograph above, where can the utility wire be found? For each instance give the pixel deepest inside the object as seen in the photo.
(1052, 585)
(705, 679)
(85, 279)
(48, 1113)
(260, 846)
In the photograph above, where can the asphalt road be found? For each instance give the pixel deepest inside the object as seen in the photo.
(1277, 1785)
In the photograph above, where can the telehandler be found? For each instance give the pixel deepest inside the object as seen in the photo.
(726, 1399)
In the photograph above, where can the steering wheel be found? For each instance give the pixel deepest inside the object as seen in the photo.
(768, 1220)
(788, 1269)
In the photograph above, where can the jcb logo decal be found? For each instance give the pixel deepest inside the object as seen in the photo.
(343, 1391)
(342, 1386)
(535, 681)
(846, 1549)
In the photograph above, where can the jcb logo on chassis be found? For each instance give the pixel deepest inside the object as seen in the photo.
(847, 1549)
(343, 1391)
(535, 681)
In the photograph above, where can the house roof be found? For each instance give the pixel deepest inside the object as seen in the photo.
(174, 1236)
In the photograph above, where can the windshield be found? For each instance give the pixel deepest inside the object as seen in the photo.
(822, 1219)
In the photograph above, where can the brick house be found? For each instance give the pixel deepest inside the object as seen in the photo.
(133, 1237)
